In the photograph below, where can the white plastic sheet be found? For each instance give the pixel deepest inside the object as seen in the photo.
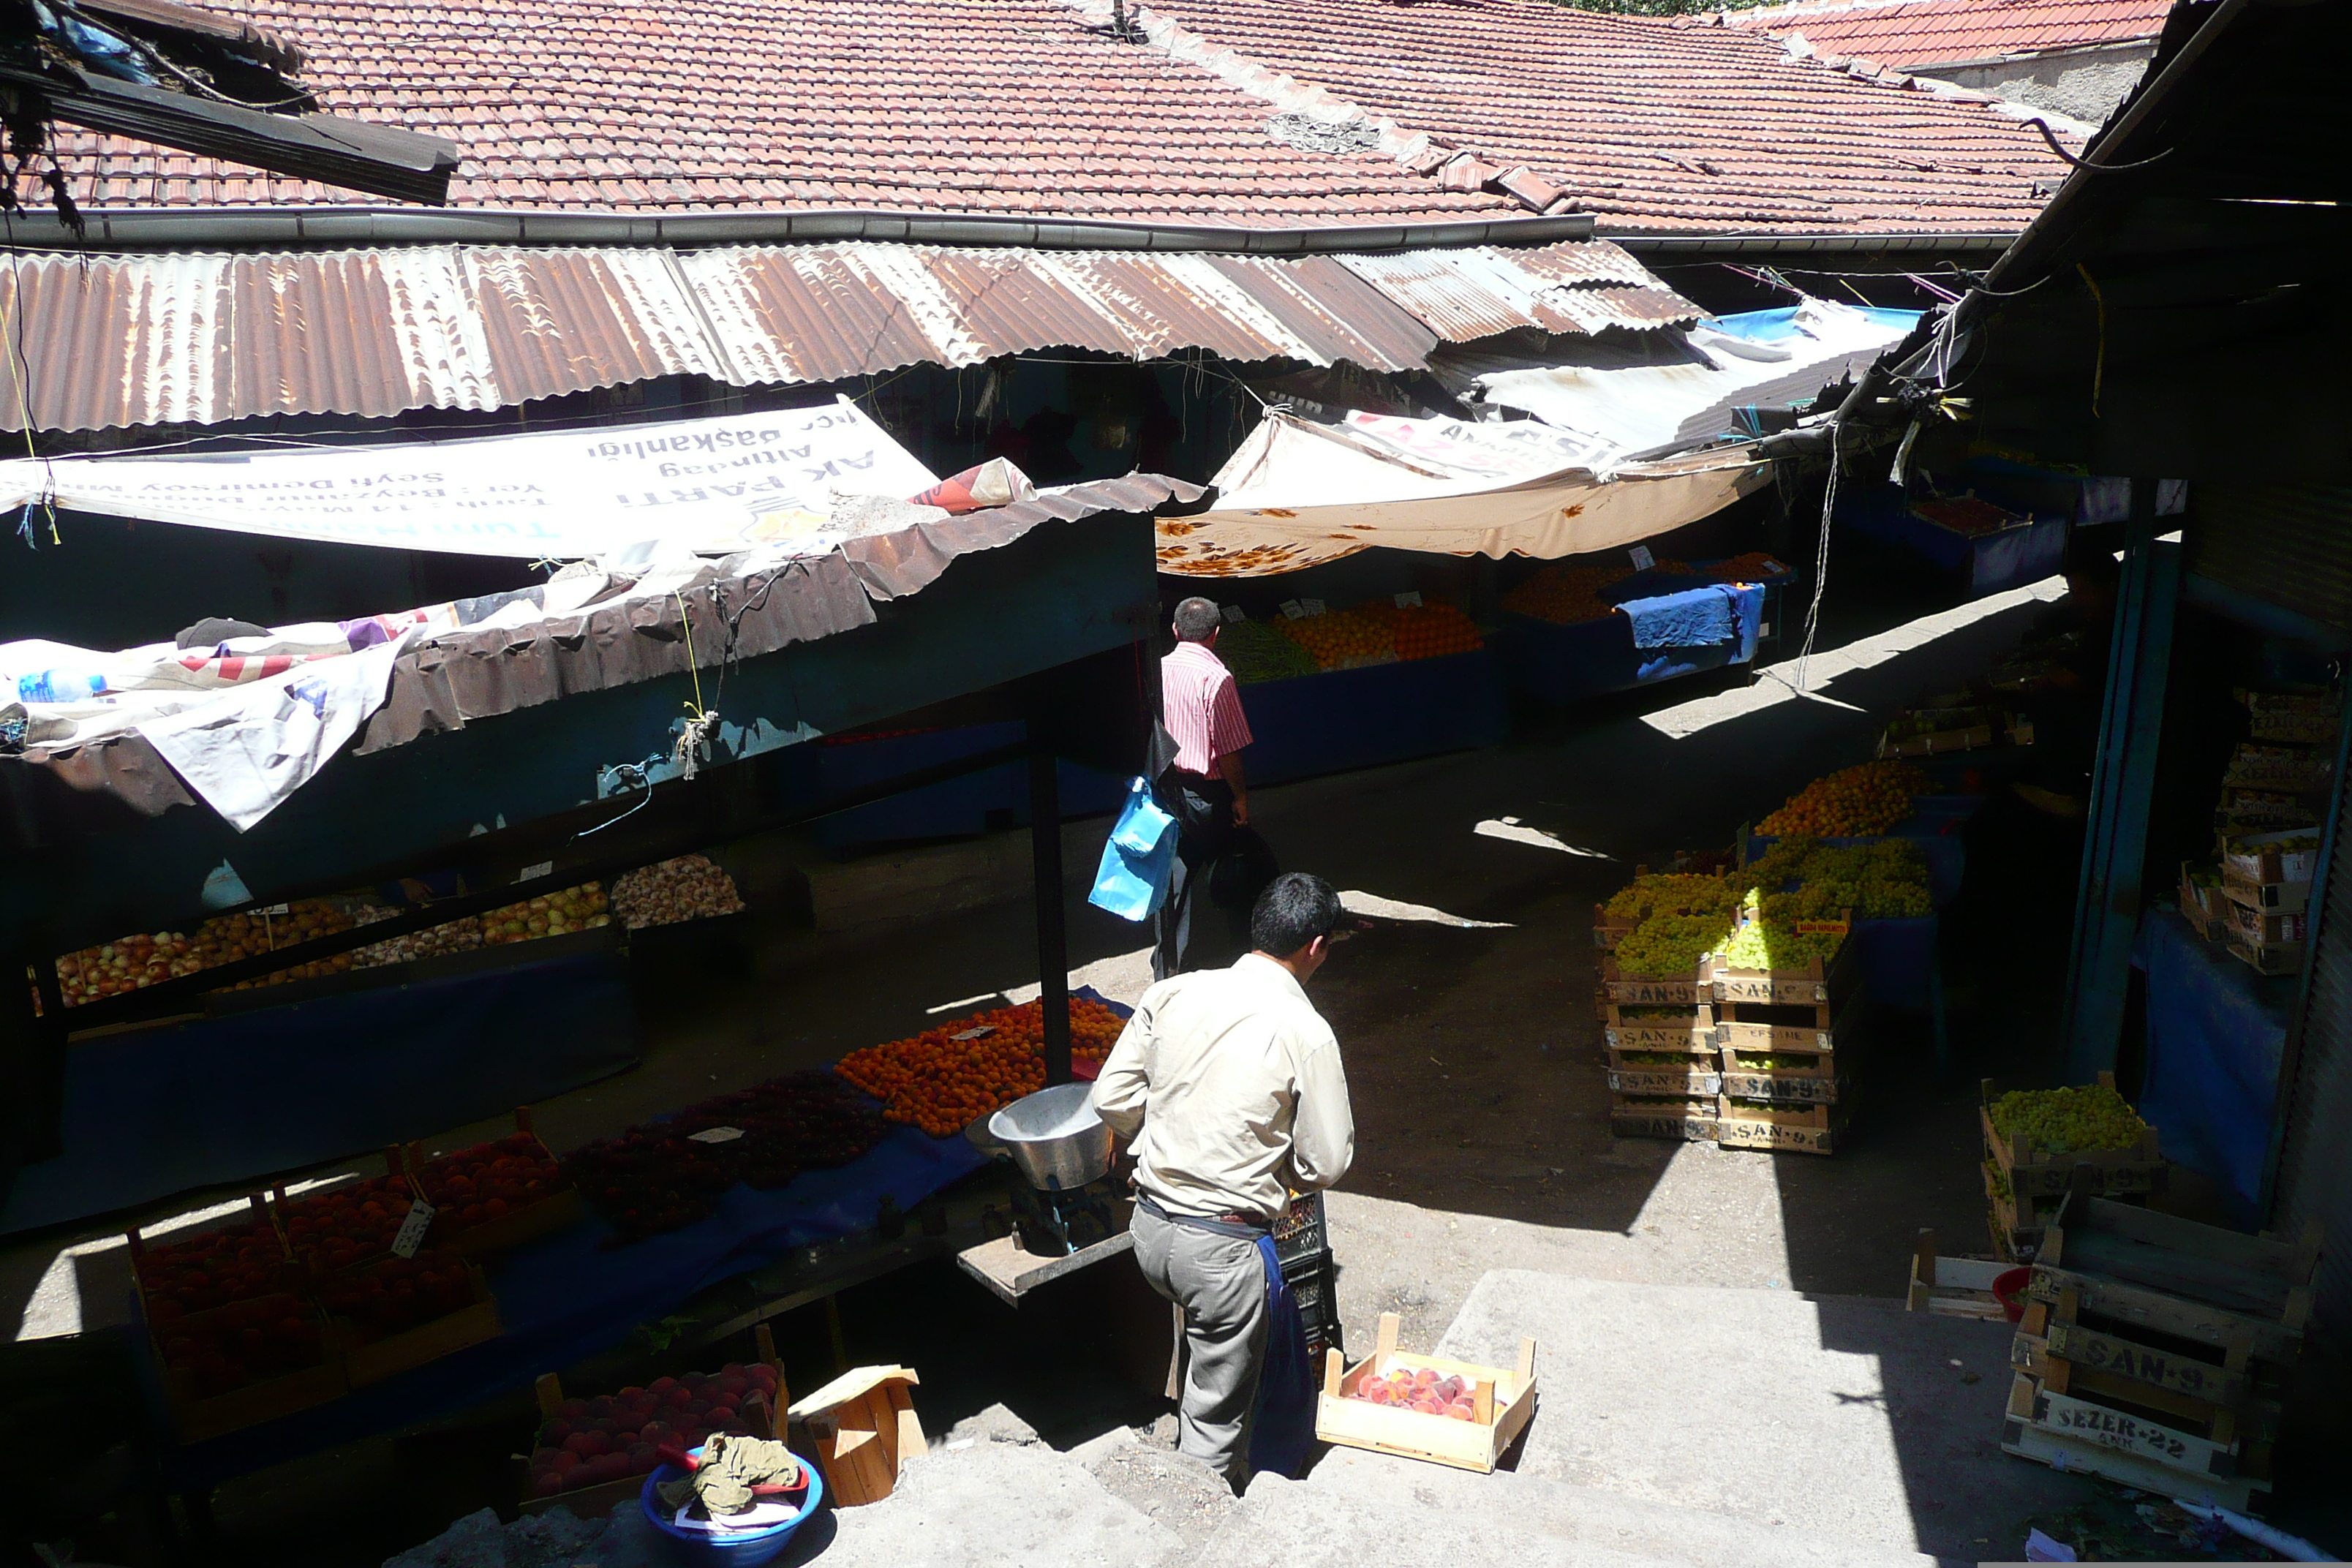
(714, 485)
(1298, 494)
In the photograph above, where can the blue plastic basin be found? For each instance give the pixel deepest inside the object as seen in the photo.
(740, 1548)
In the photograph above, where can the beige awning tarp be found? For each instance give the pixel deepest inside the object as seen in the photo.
(1298, 494)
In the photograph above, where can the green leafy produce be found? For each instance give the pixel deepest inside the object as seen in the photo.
(2068, 1120)
(1255, 651)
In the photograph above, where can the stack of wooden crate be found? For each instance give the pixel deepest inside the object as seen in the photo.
(2024, 1189)
(1664, 1076)
(2153, 1351)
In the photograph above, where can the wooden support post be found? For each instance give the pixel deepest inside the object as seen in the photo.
(1053, 943)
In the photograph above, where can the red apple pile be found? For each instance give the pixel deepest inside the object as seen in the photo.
(348, 1224)
(1420, 1389)
(243, 1342)
(588, 1442)
(487, 1182)
(398, 1293)
(210, 1271)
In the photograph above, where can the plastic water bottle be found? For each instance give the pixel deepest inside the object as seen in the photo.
(59, 686)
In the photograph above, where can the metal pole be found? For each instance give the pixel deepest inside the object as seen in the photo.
(1053, 944)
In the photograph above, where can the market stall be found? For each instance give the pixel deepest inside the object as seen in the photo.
(1571, 632)
(1982, 546)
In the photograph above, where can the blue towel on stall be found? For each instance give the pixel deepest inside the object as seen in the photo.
(1698, 617)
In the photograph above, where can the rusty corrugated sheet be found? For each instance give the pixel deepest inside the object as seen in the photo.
(200, 338)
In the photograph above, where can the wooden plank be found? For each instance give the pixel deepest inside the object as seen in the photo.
(2176, 1273)
(1012, 1273)
(1765, 1136)
(1801, 1089)
(2117, 1357)
(1687, 1127)
(2143, 1308)
(1646, 992)
(2031, 1442)
(1692, 1033)
(1692, 1083)
(2291, 1265)
(2097, 1425)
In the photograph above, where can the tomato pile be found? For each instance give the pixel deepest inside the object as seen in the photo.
(588, 1442)
(942, 1084)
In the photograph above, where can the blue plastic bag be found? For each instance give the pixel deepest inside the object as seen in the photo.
(1139, 860)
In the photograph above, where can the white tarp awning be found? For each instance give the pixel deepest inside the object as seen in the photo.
(712, 486)
(1298, 494)
(1663, 392)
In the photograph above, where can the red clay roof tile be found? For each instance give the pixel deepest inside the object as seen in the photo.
(1911, 34)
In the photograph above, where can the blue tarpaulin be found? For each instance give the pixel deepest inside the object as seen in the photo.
(151, 1112)
(2216, 1033)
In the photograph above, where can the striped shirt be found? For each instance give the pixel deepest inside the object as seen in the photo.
(1201, 708)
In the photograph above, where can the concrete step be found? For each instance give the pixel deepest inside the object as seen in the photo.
(1843, 1419)
(1356, 1508)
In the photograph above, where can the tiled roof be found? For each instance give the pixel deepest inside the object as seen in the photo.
(995, 106)
(1652, 124)
(1914, 33)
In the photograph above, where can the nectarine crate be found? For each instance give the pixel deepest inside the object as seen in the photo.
(373, 1352)
(1681, 1119)
(2106, 1171)
(1687, 1029)
(590, 1497)
(1502, 1401)
(503, 1225)
(348, 1224)
(1775, 1127)
(1652, 991)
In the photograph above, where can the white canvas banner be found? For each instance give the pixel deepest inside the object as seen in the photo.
(713, 486)
(244, 753)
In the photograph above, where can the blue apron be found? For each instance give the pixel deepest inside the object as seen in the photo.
(1285, 1427)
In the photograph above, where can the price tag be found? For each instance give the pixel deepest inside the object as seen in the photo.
(1642, 559)
(1408, 601)
(413, 1229)
(1294, 609)
(715, 1135)
(974, 1034)
(531, 873)
(1312, 606)
(278, 910)
(1822, 927)
(1233, 613)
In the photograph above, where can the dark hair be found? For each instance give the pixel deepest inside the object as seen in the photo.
(1294, 908)
(1196, 618)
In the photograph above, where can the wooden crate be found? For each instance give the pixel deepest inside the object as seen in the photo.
(1937, 742)
(863, 1427)
(2017, 1232)
(1799, 1128)
(2285, 898)
(1648, 990)
(2260, 927)
(1772, 1031)
(1807, 987)
(1690, 1029)
(1692, 1120)
(599, 1501)
(1953, 1287)
(1608, 931)
(2274, 765)
(2067, 1433)
(198, 1418)
(2263, 857)
(2267, 958)
(1787, 1089)
(394, 1186)
(2136, 1170)
(2140, 1271)
(1694, 1075)
(1506, 1401)
(366, 1362)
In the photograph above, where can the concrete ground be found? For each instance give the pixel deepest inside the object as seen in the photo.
(1474, 1060)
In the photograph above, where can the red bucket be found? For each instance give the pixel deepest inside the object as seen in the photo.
(2009, 1289)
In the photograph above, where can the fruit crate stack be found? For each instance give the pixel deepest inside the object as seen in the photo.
(1664, 1068)
(1302, 1245)
(2154, 1351)
(1786, 1085)
(2041, 1145)
(2266, 883)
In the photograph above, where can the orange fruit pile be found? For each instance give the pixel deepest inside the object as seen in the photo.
(1425, 631)
(1753, 567)
(1853, 802)
(1338, 635)
(942, 1084)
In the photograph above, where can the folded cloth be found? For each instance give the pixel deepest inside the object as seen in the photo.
(1700, 617)
(731, 1468)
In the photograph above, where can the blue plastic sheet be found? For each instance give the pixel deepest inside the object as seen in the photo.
(1347, 719)
(2216, 1033)
(568, 1297)
(157, 1111)
(1898, 961)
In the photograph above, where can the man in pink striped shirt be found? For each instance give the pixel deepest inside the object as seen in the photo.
(1203, 787)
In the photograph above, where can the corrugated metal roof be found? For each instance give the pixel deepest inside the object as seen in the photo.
(205, 339)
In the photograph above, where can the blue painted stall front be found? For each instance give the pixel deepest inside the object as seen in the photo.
(2216, 1033)
(951, 808)
(1983, 564)
(151, 1112)
(1345, 719)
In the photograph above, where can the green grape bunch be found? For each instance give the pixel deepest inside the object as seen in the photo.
(2068, 1120)
(1671, 893)
(1669, 946)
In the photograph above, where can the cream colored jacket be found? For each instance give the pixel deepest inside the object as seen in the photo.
(1227, 1083)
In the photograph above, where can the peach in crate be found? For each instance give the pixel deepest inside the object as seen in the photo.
(1426, 1407)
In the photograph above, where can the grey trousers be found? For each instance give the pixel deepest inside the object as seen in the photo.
(1220, 1283)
